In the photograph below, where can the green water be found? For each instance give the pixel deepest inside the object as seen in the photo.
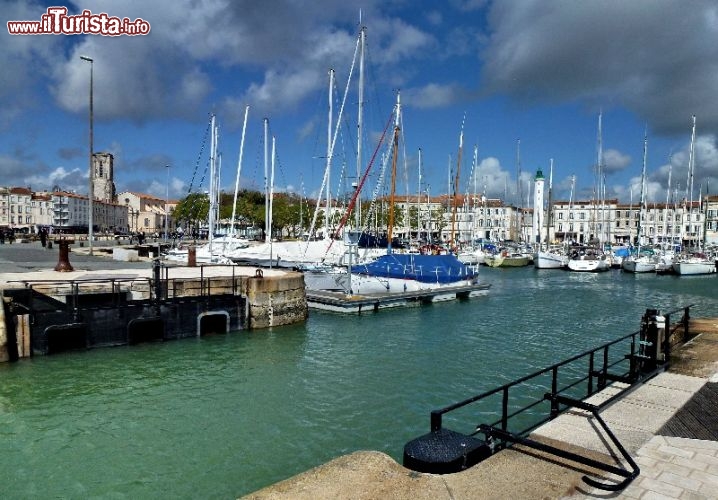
(222, 416)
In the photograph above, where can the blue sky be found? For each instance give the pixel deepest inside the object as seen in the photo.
(538, 71)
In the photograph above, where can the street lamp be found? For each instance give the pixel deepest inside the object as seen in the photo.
(167, 196)
(91, 193)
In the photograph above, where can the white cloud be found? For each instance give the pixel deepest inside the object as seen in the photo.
(656, 57)
(615, 161)
(74, 180)
(434, 95)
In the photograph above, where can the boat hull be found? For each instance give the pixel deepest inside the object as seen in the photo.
(545, 260)
(588, 265)
(694, 268)
(638, 266)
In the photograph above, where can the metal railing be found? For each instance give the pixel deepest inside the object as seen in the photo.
(156, 288)
(599, 362)
(565, 385)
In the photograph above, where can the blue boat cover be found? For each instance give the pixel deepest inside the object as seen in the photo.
(622, 252)
(423, 268)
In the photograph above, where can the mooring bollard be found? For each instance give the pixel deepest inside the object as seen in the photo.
(192, 256)
(63, 262)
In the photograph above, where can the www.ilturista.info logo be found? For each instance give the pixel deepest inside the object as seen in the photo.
(57, 22)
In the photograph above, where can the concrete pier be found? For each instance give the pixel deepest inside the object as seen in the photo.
(102, 294)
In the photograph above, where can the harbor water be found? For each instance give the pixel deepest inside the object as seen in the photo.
(221, 416)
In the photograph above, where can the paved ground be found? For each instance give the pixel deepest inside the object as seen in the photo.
(29, 261)
(23, 257)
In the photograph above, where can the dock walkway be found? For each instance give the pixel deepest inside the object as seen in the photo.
(357, 303)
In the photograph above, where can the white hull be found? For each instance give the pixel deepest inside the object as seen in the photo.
(550, 260)
(639, 265)
(690, 267)
(588, 265)
(338, 280)
(297, 253)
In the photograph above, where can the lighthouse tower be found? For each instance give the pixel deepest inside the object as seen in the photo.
(538, 206)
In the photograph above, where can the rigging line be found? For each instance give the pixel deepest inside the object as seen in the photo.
(363, 180)
(325, 180)
(199, 156)
(278, 162)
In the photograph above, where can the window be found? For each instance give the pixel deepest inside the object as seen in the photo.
(560, 216)
(147, 222)
(582, 216)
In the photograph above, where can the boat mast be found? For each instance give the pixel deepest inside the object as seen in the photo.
(239, 171)
(691, 163)
(599, 162)
(330, 150)
(452, 240)
(518, 189)
(266, 181)
(212, 182)
(271, 199)
(360, 117)
(570, 208)
(668, 200)
(550, 200)
(630, 218)
(418, 202)
(642, 213)
(395, 148)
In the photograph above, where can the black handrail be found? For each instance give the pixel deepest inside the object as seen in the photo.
(636, 372)
(602, 374)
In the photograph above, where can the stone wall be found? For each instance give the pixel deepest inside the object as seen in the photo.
(275, 300)
(3, 334)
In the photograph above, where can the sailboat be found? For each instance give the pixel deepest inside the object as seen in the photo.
(209, 253)
(592, 258)
(641, 261)
(549, 256)
(695, 262)
(395, 272)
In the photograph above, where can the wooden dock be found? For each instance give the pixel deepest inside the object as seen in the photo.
(356, 303)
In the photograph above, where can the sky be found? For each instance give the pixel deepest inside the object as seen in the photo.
(525, 80)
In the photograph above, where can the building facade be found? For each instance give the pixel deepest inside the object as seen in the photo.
(70, 214)
(146, 213)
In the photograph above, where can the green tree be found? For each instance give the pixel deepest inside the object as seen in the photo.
(192, 210)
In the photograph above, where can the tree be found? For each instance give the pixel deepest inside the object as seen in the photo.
(192, 210)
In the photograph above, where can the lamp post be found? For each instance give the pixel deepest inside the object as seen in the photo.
(91, 193)
(167, 196)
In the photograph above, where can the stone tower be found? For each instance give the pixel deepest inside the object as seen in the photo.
(103, 184)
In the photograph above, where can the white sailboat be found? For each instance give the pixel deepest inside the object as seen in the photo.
(696, 262)
(588, 259)
(641, 262)
(550, 256)
(209, 253)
